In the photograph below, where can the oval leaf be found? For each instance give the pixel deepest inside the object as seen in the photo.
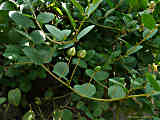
(134, 49)
(45, 17)
(99, 76)
(86, 89)
(81, 64)
(148, 21)
(148, 34)
(61, 69)
(14, 97)
(85, 31)
(2, 100)
(116, 91)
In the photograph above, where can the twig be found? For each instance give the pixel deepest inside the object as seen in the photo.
(92, 98)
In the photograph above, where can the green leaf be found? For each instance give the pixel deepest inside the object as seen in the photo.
(93, 6)
(98, 76)
(45, 17)
(81, 64)
(2, 100)
(148, 21)
(77, 5)
(148, 34)
(57, 33)
(138, 4)
(14, 96)
(101, 75)
(116, 91)
(61, 69)
(30, 115)
(67, 115)
(134, 49)
(85, 31)
(110, 3)
(152, 80)
(39, 55)
(69, 15)
(38, 37)
(21, 19)
(86, 89)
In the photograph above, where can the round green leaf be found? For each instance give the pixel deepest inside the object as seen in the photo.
(14, 96)
(61, 69)
(99, 76)
(86, 89)
(81, 64)
(116, 91)
(45, 17)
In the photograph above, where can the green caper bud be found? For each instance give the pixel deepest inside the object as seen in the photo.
(81, 53)
(97, 68)
(71, 51)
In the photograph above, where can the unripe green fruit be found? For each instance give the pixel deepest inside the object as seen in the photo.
(71, 51)
(81, 53)
(97, 68)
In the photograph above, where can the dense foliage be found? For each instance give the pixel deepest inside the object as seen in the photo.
(79, 59)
